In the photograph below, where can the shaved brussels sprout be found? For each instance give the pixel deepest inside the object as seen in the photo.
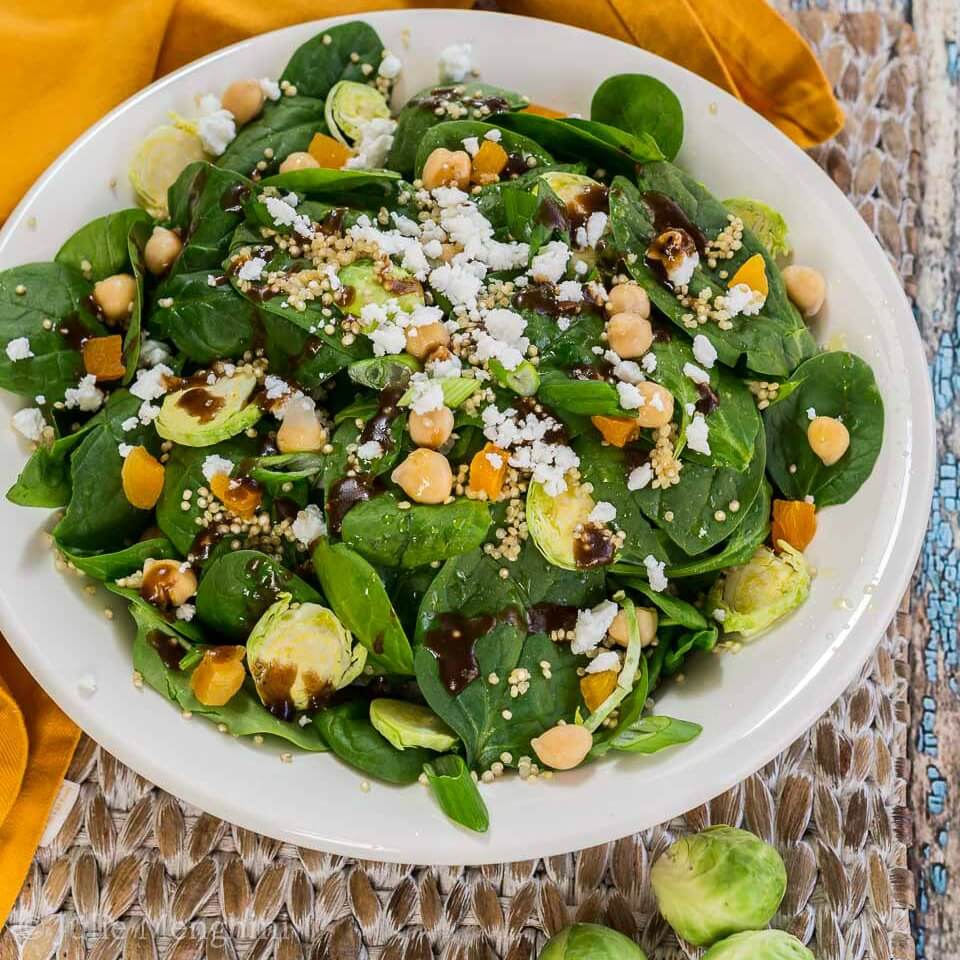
(159, 160)
(748, 599)
(349, 106)
(590, 941)
(203, 414)
(759, 945)
(552, 521)
(410, 725)
(363, 282)
(765, 222)
(569, 187)
(718, 882)
(300, 655)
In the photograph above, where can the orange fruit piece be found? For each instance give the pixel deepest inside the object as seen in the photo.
(541, 111)
(142, 478)
(596, 687)
(752, 272)
(328, 152)
(485, 476)
(103, 357)
(219, 675)
(488, 163)
(618, 431)
(241, 496)
(794, 521)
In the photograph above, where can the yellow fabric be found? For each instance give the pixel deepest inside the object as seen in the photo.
(36, 744)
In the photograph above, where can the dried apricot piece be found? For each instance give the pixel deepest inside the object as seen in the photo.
(488, 470)
(241, 496)
(752, 272)
(794, 521)
(328, 152)
(219, 675)
(142, 478)
(541, 111)
(596, 687)
(617, 431)
(103, 357)
(488, 163)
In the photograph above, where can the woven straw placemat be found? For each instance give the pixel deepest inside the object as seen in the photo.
(135, 873)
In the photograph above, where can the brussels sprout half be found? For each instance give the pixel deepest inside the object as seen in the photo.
(299, 655)
(748, 599)
(718, 882)
(203, 414)
(569, 187)
(759, 945)
(553, 520)
(410, 725)
(349, 106)
(363, 282)
(767, 223)
(590, 941)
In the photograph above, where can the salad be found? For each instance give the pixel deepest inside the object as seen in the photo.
(437, 439)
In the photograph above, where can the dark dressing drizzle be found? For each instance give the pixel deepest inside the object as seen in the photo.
(516, 166)
(345, 494)
(332, 222)
(203, 545)
(168, 648)
(158, 582)
(275, 683)
(548, 617)
(542, 297)
(233, 197)
(669, 215)
(440, 96)
(709, 400)
(377, 428)
(593, 546)
(595, 199)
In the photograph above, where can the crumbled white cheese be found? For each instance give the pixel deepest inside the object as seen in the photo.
(471, 145)
(150, 384)
(452, 366)
(153, 352)
(186, 612)
(456, 62)
(649, 362)
(681, 273)
(124, 449)
(494, 459)
(495, 135)
(628, 371)
(603, 662)
(39, 399)
(216, 127)
(309, 525)
(570, 291)
(373, 144)
(503, 338)
(603, 512)
(390, 67)
(284, 214)
(214, 465)
(550, 262)
(147, 412)
(427, 394)
(19, 349)
(629, 396)
(590, 233)
(252, 269)
(131, 423)
(719, 614)
(275, 387)
(85, 395)
(695, 373)
(370, 450)
(592, 626)
(640, 477)
(29, 423)
(655, 574)
(697, 433)
(743, 299)
(270, 88)
(457, 283)
(811, 413)
(581, 267)
(704, 352)
(387, 338)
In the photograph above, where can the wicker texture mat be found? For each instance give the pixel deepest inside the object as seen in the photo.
(134, 873)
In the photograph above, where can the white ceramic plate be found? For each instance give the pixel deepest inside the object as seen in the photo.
(751, 705)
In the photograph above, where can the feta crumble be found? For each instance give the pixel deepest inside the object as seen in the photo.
(640, 477)
(19, 349)
(495, 135)
(186, 612)
(370, 450)
(743, 299)
(649, 362)
(309, 525)
(697, 432)
(85, 395)
(252, 269)
(150, 384)
(284, 214)
(603, 662)
(270, 88)
(811, 413)
(629, 396)
(592, 626)
(215, 465)
(570, 291)
(655, 574)
(681, 273)
(692, 372)
(603, 512)
(373, 144)
(153, 352)
(590, 233)
(29, 423)
(390, 67)
(456, 62)
(124, 449)
(471, 145)
(550, 262)
(704, 351)
(427, 394)
(216, 127)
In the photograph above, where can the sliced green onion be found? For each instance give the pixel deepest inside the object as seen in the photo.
(524, 380)
(455, 391)
(191, 658)
(455, 790)
(627, 675)
(651, 734)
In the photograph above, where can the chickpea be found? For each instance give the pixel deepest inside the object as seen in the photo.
(646, 623)
(301, 430)
(628, 297)
(114, 296)
(244, 99)
(829, 439)
(564, 746)
(629, 335)
(657, 407)
(425, 476)
(446, 168)
(806, 287)
(424, 339)
(301, 160)
(431, 429)
(168, 583)
(162, 249)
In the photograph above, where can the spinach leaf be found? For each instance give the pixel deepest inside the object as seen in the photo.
(569, 139)
(137, 239)
(681, 643)
(833, 385)
(564, 349)
(339, 53)
(48, 292)
(204, 322)
(370, 187)
(121, 563)
(237, 588)
(652, 734)
(102, 243)
(457, 793)
(640, 104)
(188, 629)
(539, 581)
(674, 610)
(775, 341)
(452, 133)
(184, 471)
(243, 716)
(386, 535)
(348, 732)
(358, 598)
(419, 115)
(99, 516)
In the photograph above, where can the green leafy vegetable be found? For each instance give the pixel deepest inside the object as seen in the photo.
(456, 792)
(640, 104)
(101, 245)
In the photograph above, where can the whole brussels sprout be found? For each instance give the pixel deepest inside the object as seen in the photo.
(717, 882)
(753, 596)
(590, 941)
(759, 945)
